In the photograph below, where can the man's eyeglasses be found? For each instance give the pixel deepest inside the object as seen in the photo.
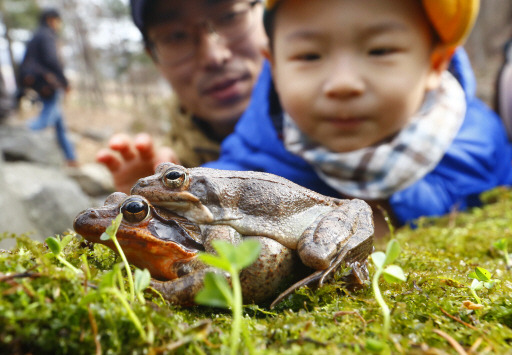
(229, 22)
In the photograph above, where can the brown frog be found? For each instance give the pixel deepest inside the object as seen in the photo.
(167, 245)
(325, 231)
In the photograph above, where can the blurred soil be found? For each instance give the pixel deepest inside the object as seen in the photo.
(91, 125)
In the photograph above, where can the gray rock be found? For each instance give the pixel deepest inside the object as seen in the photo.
(6, 101)
(98, 135)
(39, 196)
(18, 143)
(13, 218)
(49, 199)
(94, 179)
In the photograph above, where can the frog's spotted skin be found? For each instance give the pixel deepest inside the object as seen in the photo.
(262, 204)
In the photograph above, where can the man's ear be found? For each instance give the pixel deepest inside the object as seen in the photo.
(439, 62)
(265, 50)
(267, 54)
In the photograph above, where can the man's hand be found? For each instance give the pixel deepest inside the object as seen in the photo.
(131, 159)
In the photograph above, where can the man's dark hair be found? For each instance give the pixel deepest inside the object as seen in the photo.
(143, 15)
(149, 18)
(48, 14)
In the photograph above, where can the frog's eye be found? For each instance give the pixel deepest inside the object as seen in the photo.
(175, 178)
(135, 210)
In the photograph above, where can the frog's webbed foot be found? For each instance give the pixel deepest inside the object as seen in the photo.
(355, 251)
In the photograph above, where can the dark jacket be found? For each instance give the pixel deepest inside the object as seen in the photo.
(41, 65)
(478, 159)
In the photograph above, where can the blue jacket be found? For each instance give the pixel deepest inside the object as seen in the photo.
(479, 158)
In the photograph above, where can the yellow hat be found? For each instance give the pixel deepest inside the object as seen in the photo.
(452, 19)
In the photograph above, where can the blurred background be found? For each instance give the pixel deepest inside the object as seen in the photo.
(114, 85)
(115, 88)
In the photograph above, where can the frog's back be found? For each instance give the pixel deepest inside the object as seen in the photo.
(255, 182)
(262, 204)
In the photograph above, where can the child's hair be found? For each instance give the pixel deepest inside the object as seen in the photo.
(451, 19)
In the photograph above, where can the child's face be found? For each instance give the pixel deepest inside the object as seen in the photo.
(351, 73)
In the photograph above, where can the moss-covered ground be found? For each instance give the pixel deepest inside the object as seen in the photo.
(46, 308)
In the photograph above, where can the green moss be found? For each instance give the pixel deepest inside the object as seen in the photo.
(49, 309)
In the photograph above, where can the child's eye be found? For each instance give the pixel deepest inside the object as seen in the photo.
(308, 57)
(382, 51)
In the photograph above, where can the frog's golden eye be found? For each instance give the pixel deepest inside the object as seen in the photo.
(175, 178)
(135, 210)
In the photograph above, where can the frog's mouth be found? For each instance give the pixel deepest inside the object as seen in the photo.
(193, 211)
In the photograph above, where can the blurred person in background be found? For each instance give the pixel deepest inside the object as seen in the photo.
(42, 70)
(210, 53)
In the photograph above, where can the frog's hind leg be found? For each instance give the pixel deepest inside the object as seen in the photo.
(357, 278)
(309, 280)
(343, 235)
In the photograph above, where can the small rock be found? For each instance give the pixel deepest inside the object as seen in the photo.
(49, 199)
(94, 179)
(13, 218)
(18, 143)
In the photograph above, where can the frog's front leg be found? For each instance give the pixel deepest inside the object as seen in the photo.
(343, 234)
(219, 232)
(183, 290)
(191, 274)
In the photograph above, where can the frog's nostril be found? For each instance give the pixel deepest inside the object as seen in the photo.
(94, 214)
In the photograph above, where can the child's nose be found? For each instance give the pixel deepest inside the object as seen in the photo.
(344, 79)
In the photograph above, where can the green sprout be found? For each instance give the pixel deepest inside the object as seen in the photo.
(481, 278)
(142, 279)
(110, 234)
(502, 245)
(217, 292)
(391, 274)
(108, 285)
(56, 247)
(112, 281)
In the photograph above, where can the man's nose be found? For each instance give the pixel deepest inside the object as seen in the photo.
(344, 78)
(213, 50)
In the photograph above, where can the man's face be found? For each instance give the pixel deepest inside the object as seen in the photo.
(212, 72)
(55, 23)
(351, 73)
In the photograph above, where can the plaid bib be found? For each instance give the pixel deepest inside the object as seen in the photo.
(378, 171)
